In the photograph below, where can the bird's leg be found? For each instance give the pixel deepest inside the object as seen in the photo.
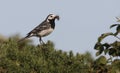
(41, 41)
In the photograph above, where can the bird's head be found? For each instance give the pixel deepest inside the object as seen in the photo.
(52, 17)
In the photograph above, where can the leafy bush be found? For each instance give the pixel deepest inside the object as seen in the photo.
(112, 49)
(24, 57)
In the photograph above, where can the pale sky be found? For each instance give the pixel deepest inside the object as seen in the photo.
(81, 21)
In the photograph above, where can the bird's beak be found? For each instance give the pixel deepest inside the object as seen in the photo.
(57, 17)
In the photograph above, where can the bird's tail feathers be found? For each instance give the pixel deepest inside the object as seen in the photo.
(23, 39)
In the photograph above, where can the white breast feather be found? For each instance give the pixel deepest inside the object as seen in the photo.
(45, 32)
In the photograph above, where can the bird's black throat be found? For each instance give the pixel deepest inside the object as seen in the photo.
(52, 22)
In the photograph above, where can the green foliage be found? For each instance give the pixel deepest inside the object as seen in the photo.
(104, 35)
(100, 65)
(117, 28)
(101, 60)
(116, 66)
(27, 58)
(112, 49)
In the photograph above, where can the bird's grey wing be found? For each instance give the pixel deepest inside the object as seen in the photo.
(44, 25)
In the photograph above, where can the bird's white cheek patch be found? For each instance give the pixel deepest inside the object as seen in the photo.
(45, 32)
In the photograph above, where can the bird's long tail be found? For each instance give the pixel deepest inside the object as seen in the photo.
(23, 39)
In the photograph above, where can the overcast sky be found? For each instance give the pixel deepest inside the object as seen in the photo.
(81, 21)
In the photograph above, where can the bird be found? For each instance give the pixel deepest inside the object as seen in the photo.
(43, 29)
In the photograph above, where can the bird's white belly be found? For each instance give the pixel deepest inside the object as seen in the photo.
(45, 32)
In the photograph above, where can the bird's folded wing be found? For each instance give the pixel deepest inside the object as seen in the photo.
(43, 26)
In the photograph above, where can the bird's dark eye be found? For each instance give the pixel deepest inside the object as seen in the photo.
(50, 16)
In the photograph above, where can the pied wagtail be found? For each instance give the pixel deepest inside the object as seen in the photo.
(43, 29)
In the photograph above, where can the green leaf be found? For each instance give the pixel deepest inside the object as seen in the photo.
(117, 30)
(112, 51)
(101, 60)
(116, 65)
(106, 45)
(104, 35)
(97, 46)
(99, 52)
(106, 51)
(114, 25)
